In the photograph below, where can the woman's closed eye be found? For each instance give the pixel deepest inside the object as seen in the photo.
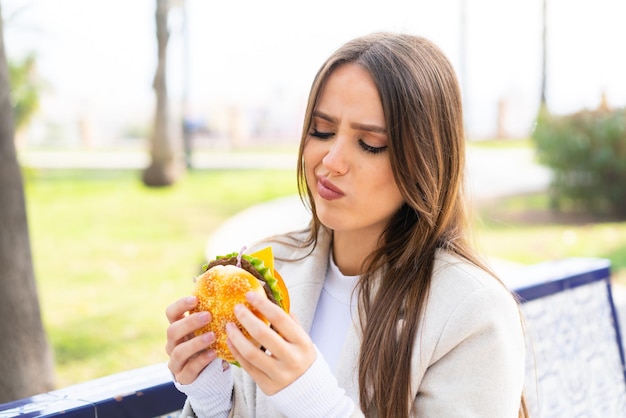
(364, 146)
(321, 135)
(371, 149)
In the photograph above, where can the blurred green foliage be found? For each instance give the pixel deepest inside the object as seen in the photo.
(25, 89)
(586, 152)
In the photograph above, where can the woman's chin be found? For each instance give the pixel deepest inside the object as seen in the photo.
(330, 218)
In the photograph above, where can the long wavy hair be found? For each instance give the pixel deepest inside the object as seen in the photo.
(422, 106)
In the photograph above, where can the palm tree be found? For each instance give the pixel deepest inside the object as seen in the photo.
(166, 165)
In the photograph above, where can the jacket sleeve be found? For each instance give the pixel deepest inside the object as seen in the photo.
(187, 412)
(315, 394)
(477, 365)
(210, 395)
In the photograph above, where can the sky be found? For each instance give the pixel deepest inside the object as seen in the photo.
(98, 58)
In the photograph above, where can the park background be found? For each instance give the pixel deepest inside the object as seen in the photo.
(110, 254)
(243, 68)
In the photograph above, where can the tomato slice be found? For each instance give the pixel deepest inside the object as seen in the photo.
(284, 292)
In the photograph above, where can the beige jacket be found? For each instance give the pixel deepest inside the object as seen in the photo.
(469, 352)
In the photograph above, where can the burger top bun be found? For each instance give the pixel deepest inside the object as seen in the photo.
(218, 290)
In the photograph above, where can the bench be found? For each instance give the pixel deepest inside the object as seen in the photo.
(577, 367)
(140, 393)
(575, 364)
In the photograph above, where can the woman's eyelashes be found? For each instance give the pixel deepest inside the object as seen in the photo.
(364, 146)
(371, 149)
(321, 135)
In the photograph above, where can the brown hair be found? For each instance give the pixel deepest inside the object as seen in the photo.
(422, 105)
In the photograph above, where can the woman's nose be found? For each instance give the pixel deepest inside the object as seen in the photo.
(336, 158)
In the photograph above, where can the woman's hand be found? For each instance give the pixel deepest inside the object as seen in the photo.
(290, 351)
(189, 354)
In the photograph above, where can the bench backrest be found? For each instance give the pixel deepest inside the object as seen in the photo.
(576, 363)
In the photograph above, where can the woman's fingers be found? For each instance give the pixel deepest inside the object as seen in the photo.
(181, 326)
(183, 329)
(245, 351)
(191, 357)
(289, 350)
(189, 354)
(183, 352)
(284, 324)
(177, 310)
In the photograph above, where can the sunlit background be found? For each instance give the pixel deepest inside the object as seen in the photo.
(246, 66)
(110, 254)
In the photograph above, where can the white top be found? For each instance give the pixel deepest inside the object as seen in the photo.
(333, 315)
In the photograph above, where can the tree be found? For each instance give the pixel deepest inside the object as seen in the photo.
(586, 155)
(544, 53)
(26, 366)
(24, 90)
(165, 166)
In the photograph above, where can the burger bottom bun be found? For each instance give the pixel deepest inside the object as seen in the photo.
(218, 290)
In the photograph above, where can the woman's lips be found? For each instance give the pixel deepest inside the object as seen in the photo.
(328, 190)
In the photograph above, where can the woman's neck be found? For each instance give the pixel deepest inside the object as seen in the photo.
(351, 249)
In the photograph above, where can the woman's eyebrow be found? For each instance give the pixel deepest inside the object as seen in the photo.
(370, 128)
(324, 116)
(355, 125)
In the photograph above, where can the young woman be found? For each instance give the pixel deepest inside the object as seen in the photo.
(393, 313)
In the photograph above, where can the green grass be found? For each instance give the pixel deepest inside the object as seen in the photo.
(111, 254)
(524, 229)
(512, 143)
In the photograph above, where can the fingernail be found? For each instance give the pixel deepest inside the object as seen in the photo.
(209, 337)
(238, 308)
(204, 317)
(190, 300)
(211, 354)
(251, 296)
(230, 327)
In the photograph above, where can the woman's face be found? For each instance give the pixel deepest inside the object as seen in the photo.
(346, 160)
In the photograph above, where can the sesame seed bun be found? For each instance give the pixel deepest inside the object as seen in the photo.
(218, 290)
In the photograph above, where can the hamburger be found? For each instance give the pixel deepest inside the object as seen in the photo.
(224, 284)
